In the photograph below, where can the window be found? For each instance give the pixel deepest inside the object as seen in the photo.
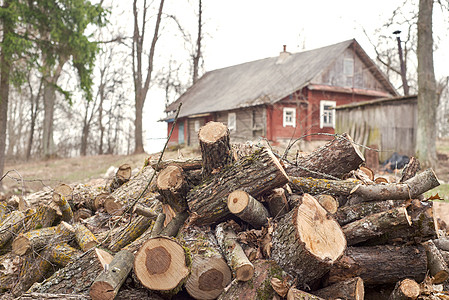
(289, 118)
(232, 122)
(348, 71)
(327, 113)
(197, 125)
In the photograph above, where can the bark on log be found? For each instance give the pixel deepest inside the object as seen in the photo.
(240, 265)
(337, 158)
(350, 213)
(277, 203)
(215, 148)
(129, 233)
(3, 210)
(84, 237)
(173, 187)
(9, 265)
(42, 217)
(351, 289)
(143, 210)
(378, 265)
(315, 186)
(10, 226)
(256, 175)
(186, 164)
(329, 203)
(175, 224)
(122, 175)
(410, 169)
(48, 296)
(410, 189)
(108, 283)
(162, 264)
(376, 225)
(406, 289)
(295, 294)
(209, 273)
(306, 242)
(64, 206)
(247, 208)
(158, 225)
(259, 287)
(240, 150)
(435, 263)
(62, 254)
(442, 243)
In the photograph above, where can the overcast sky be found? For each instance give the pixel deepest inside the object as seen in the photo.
(245, 30)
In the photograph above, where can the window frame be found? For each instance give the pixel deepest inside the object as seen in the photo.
(286, 123)
(232, 115)
(324, 103)
(197, 125)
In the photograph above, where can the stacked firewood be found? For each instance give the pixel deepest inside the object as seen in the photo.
(237, 223)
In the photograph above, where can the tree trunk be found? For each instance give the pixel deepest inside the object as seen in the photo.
(209, 273)
(351, 289)
(255, 175)
(42, 217)
(248, 209)
(84, 237)
(161, 264)
(306, 242)
(427, 99)
(378, 265)
(337, 158)
(406, 289)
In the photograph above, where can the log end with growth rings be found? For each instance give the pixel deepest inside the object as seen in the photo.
(237, 201)
(212, 132)
(170, 178)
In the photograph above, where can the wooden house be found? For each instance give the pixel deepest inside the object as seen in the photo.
(280, 98)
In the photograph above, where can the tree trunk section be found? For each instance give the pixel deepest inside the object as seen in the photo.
(62, 254)
(215, 148)
(329, 203)
(122, 175)
(350, 213)
(378, 265)
(108, 283)
(173, 187)
(129, 233)
(406, 289)
(84, 237)
(209, 273)
(277, 203)
(315, 186)
(44, 216)
(256, 175)
(351, 289)
(337, 158)
(240, 265)
(436, 263)
(162, 264)
(306, 242)
(295, 294)
(248, 209)
(10, 226)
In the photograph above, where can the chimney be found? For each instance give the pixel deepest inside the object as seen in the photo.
(283, 55)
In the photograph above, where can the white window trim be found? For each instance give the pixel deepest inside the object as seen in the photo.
(232, 127)
(327, 103)
(197, 125)
(286, 123)
(351, 71)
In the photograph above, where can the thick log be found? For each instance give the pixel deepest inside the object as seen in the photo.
(209, 273)
(62, 254)
(89, 197)
(306, 242)
(378, 265)
(187, 164)
(48, 296)
(350, 213)
(410, 169)
(43, 216)
(259, 287)
(162, 264)
(240, 265)
(277, 203)
(406, 289)
(108, 282)
(295, 294)
(337, 158)
(64, 206)
(410, 189)
(256, 175)
(10, 226)
(376, 225)
(173, 187)
(435, 263)
(84, 237)
(122, 175)
(315, 186)
(129, 233)
(329, 203)
(351, 289)
(215, 148)
(247, 208)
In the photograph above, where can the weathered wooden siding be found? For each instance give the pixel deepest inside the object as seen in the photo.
(250, 123)
(390, 124)
(192, 137)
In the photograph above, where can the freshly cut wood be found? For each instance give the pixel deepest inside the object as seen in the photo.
(410, 169)
(173, 187)
(241, 204)
(240, 265)
(378, 265)
(295, 294)
(98, 201)
(84, 237)
(410, 189)
(259, 287)
(108, 282)
(277, 203)
(122, 175)
(64, 190)
(10, 226)
(350, 213)
(435, 263)
(187, 164)
(351, 289)
(406, 289)
(306, 242)
(380, 180)
(105, 258)
(329, 203)
(368, 172)
(161, 264)
(35, 239)
(209, 273)
(256, 175)
(316, 186)
(129, 233)
(175, 224)
(337, 158)
(215, 147)
(376, 225)
(64, 206)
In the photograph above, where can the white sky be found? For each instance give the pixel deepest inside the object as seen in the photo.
(245, 30)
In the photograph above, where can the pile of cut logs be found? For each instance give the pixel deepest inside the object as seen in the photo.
(237, 223)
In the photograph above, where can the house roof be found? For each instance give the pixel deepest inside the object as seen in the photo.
(381, 101)
(264, 81)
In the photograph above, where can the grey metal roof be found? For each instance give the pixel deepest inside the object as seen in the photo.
(258, 82)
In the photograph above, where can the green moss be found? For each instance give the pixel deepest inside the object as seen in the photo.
(265, 291)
